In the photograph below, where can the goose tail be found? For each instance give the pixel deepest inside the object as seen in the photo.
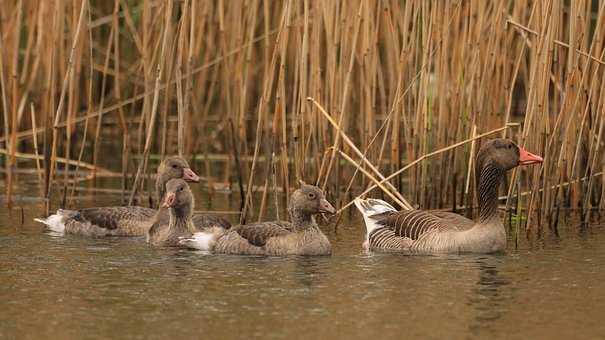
(369, 208)
(200, 241)
(56, 222)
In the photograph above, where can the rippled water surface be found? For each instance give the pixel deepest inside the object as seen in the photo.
(74, 287)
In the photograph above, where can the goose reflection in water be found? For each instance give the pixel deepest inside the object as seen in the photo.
(490, 295)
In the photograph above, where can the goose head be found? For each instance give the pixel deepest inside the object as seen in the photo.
(505, 154)
(173, 167)
(176, 167)
(178, 197)
(310, 200)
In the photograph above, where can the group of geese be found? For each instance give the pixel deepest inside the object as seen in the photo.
(173, 224)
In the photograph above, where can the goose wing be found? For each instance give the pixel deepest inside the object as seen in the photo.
(412, 224)
(204, 222)
(115, 217)
(258, 234)
(454, 219)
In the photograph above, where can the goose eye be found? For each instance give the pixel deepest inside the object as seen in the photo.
(180, 188)
(174, 166)
(510, 146)
(311, 195)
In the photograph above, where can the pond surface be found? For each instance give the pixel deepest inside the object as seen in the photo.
(78, 288)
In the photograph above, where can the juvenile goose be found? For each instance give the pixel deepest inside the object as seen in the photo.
(417, 231)
(127, 221)
(180, 203)
(301, 236)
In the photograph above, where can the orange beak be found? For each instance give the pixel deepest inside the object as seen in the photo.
(169, 200)
(326, 207)
(190, 176)
(526, 157)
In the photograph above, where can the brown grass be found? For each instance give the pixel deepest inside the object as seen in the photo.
(225, 83)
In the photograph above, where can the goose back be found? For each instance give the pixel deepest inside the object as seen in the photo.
(401, 228)
(273, 238)
(251, 239)
(309, 242)
(118, 221)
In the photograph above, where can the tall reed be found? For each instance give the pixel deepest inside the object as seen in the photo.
(228, 83)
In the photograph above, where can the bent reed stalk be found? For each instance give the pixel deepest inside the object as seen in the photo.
(262, 94)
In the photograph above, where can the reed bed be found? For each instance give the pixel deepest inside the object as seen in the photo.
(351, 95)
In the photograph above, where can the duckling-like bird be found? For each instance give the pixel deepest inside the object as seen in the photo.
(132, 220)
(180, 204)
(300, 236)
(417, 231)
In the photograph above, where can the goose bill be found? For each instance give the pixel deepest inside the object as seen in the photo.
(526, 157)
(169, 200)
(326, 207)
(190, 176)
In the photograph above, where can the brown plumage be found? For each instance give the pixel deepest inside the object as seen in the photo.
(301, 236)
(179, 201)
(133, 220)
(424, 232)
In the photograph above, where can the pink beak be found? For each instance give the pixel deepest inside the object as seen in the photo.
(169, 200)
(526, 157)
(326, 207)
(190, 176)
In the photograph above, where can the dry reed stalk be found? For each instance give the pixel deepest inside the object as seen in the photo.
(12, 161)
(144, 95)
(344, 97)
(35, 141)
(89, 101)
(420, 159)
(6, 123)
(87, 166)
(154, 107)
(374, 180)
(62, 96)
(423, 75)
(260, 122)
(97, 138)
(400, 198)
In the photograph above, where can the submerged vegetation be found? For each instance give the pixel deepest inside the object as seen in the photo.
(351, 95)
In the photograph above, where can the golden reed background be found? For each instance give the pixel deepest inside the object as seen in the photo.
(246, 89)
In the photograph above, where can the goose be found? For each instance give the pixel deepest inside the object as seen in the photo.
(417, 231)
(301, 236)
(131, 220)
(180, 204)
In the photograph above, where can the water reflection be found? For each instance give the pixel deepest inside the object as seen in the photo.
(490, 295)
(309, 271)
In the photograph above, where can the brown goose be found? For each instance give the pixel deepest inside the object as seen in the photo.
(127, 221)
(180, 203)
(417, 231)
(301, 236)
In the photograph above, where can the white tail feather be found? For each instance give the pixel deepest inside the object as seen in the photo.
(55, 222)
(369, 208)
(201, 241)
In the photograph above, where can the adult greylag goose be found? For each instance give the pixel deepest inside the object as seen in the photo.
(132, 220)
(417, 231)
(300, 236)
(179, 201)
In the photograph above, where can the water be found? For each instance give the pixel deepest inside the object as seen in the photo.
(81, 288)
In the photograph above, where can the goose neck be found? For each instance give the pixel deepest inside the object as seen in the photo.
(487, 188)
(160, 188)
(301, 219)
(180, 219)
